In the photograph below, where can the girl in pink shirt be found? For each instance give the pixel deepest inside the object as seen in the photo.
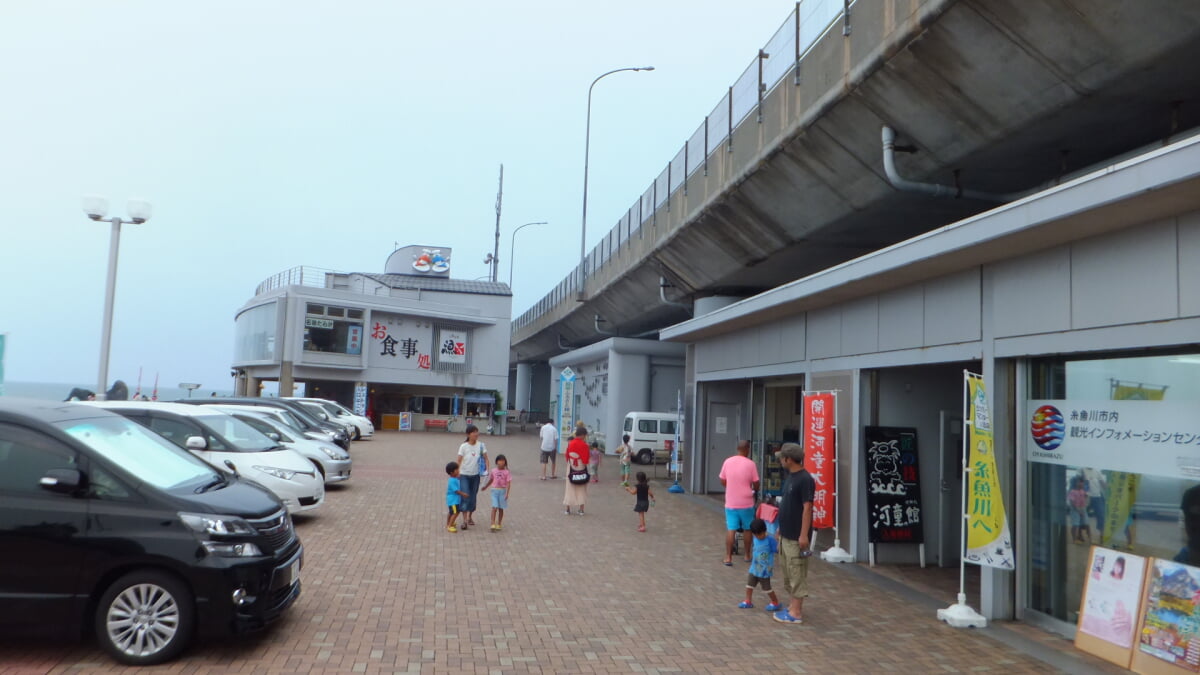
(500, 481)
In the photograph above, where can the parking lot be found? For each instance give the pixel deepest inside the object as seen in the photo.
(387, 589)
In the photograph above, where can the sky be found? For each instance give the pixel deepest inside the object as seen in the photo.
(269, 135)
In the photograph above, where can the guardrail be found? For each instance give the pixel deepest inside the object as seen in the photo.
(301, 275)
(782, 54)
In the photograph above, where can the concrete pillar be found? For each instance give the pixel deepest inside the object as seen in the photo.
(524, 384)
(628, 390)
(252, 383)
(287, 383)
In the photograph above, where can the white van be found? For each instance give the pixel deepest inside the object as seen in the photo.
(648, 435)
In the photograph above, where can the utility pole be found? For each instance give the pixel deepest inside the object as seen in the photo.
(499, 200)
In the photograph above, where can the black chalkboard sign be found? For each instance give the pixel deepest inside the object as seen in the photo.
(893, 486)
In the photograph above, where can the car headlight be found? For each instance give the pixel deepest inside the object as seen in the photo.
(206, 523)
(232, 550)
(285, 474)
(333, 453)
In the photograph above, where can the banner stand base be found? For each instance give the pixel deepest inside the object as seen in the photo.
(676, 488)
(837, 554)
(960, 615)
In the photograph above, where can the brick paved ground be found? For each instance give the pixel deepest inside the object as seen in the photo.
(387, 589)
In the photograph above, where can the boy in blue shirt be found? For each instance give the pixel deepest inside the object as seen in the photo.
(761, 563)
(454, 496)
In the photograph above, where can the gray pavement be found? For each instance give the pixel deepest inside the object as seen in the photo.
(387, 589)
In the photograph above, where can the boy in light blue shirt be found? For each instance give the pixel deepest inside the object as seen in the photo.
(454, 496)
(763, 560)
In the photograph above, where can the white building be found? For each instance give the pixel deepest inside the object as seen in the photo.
(410, 340)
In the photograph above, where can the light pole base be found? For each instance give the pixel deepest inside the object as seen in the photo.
(960, 615)
(837, 554)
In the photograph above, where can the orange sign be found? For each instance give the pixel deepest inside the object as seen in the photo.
(820, 455)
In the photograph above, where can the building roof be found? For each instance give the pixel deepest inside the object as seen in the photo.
(407, 281)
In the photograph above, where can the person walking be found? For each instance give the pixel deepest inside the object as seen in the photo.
(739, 475)
(765, 549)
(472, 461)
(795, 528)
(577, 458)
(644, 497)
(549, 456)
(500, 481)
(454, 496)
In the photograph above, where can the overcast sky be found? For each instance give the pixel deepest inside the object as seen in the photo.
(269, 135)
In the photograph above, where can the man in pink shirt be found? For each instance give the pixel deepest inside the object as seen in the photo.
(739, 475)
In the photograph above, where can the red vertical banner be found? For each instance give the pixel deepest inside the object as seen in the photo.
(820, 455)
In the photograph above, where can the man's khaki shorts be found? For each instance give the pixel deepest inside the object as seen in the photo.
(795, 568)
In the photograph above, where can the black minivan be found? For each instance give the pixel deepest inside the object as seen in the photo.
(106, 527)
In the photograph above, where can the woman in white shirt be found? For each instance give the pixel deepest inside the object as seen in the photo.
(472, 461)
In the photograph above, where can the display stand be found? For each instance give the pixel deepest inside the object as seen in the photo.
(1142, 662)
(960, 614)
(1092, 644)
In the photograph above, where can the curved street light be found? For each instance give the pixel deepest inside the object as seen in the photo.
(587, 144)
(512, 251)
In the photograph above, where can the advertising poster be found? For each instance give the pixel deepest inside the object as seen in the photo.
(566, 408)
(988, 539)
(1171, 620)
(405, 421)
(893, 486)
(1110, 601)
(452, 346)
(360, 399)
(820, 455)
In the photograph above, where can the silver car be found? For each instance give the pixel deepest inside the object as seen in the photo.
(333, 462)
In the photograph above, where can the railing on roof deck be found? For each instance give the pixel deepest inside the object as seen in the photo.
(301, 275)
(781, 56)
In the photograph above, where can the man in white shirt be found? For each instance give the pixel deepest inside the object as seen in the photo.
(549, 434)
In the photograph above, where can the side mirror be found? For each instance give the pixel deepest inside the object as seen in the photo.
(62, 480)
(273, 436)
(231, 467)
(196, 443)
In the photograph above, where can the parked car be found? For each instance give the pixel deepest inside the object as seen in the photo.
(107, 527)
(230, 444)
(364, 428)
(311, 423)
(648, 435)
(317, 409)
(333, 462)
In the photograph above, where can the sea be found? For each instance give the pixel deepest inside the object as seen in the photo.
(58, 391)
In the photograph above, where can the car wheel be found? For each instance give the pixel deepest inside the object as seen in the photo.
(145, 617)
(320, 469)
(357, 434)
(645, 456)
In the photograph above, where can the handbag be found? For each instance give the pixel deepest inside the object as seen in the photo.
(767, 512)
(579, 477)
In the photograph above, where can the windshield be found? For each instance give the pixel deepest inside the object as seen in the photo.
(237, 434)
(266, 425)
(316, 409)
(334, 409)
(141, 452)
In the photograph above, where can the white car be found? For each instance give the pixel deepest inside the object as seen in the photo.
(362, 427)
(333, 462)
(230, 445)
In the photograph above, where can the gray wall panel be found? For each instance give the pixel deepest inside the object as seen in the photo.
(902, 319)
(824, 333)
(952, 309)
(1189, 264)
(1125, 277)
(860, 326)
(1033, 294)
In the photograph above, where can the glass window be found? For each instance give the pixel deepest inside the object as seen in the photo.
(647, 426)
(444, 404)
(254, 334)
(314, 309)
(141, 453)
(336, 311)
(265, 428)
(1128, 495)
(26, 456)
(628, 424)
(427, 404)
(238, 436)
(666, 427)
(354, 314)
(333, 335)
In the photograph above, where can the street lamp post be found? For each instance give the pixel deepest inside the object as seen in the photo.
(512, 250)
(96, 208)
(587, 144)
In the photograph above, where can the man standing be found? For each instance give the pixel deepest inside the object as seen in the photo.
(739, 475)
(549, 436)
(795, 528)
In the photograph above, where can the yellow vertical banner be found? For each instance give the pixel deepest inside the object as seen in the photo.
(988, 539)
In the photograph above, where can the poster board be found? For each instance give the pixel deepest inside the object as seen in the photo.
(893, 486)
(1168, 634)
(1111, 606)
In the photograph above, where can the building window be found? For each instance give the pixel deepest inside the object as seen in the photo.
(327, 330)
(255, 334)
(1072, 429)
(443, 405)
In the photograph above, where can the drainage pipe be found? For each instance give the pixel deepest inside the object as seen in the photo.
(931, 189)
(662, 295)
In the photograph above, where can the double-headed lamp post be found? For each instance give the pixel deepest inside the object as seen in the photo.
(512, 250)
(587, 144)
(96, 208)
